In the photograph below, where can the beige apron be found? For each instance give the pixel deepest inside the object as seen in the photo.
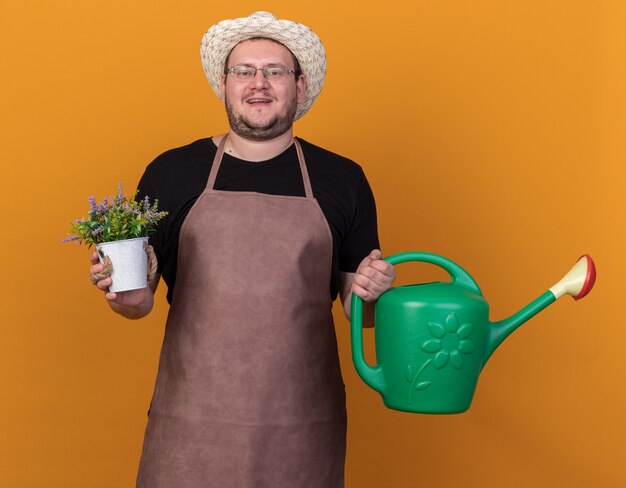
(249, 391)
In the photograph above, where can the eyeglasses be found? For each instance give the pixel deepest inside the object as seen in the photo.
(270, 73)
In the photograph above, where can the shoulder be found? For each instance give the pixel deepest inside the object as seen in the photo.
(323, 156)
(181, 159)
(329, 165)
(179, 174)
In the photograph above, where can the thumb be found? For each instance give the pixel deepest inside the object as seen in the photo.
(376, 254)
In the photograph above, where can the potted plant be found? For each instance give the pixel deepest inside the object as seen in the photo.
(119, 228)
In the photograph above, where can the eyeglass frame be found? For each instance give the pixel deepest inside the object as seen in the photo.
(289, 71)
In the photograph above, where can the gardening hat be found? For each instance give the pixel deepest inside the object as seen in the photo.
(221, 38)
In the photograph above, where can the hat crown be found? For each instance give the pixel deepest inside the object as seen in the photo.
(263, 15)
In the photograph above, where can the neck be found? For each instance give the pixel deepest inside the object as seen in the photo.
(247, 150)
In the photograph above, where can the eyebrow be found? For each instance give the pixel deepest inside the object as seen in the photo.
(268, 65)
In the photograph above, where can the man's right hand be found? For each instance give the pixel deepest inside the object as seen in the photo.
(132, 304)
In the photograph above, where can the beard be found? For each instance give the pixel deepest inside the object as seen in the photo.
(254, 131)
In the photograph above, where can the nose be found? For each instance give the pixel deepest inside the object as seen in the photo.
(259, 79)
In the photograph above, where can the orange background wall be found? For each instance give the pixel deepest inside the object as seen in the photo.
(492, 132)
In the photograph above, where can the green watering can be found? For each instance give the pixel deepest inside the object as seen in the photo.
(433, 339)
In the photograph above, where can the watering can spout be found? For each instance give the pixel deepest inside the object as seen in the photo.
(577, 283)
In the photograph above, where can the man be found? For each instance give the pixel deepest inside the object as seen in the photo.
(264, 230)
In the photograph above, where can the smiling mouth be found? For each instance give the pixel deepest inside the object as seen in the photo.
(256, 101)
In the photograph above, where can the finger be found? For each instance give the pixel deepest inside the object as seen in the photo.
(102, 280)
(94, 258)
(368, 284)
(382, 266)
(104, 284)
(370, 278)
(366, 262)
(362, 293)
(365, 294)
(375, 260)
(383, 278)
(362, 280)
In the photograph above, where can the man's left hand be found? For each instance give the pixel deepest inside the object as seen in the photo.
(373, 277)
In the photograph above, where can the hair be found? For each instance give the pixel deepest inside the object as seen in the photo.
(297, 70)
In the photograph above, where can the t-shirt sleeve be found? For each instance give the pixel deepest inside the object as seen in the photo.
(362, 234)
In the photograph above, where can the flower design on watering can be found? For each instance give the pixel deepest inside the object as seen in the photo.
(449, 343)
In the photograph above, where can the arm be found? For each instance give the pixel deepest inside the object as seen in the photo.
(373, 277)
(133, 304)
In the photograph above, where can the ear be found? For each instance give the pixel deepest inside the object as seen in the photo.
(222, 87)
(300, 88)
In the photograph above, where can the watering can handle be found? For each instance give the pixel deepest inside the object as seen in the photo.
(459, 275)
(373, 375)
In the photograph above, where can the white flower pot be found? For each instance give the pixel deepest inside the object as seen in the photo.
(130, 263)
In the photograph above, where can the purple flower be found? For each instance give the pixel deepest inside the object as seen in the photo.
(155, 216)
(94, 205)
(103, 207)
(120, 193)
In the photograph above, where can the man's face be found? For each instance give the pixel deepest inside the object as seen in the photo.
(261, 110)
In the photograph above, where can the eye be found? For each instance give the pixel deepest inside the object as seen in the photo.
(274, 72)
(244, 71)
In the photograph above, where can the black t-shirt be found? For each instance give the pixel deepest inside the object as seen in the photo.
(177, 178)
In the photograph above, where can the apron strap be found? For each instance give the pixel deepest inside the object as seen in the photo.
(217, 161)
(308, 191)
